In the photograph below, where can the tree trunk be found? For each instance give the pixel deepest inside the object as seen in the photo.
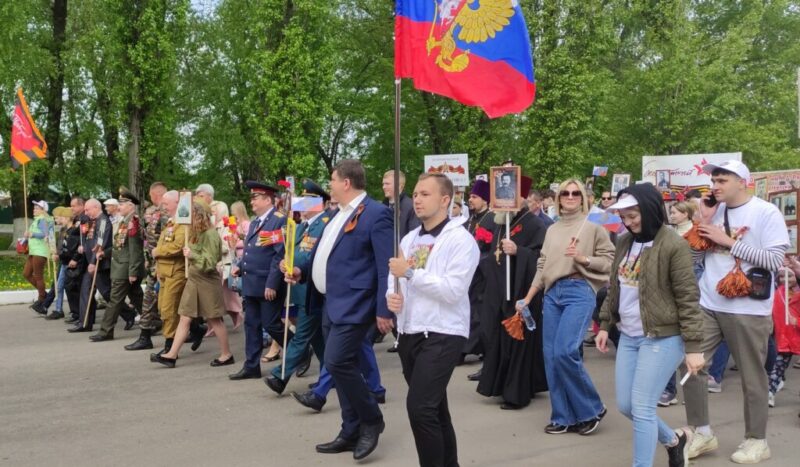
(110, 135)
(55, 99)
(135, 136)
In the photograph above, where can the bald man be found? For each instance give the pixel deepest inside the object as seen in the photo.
(96, 248)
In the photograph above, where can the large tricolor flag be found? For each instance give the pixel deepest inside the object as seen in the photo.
(26, 140)
(477, 52)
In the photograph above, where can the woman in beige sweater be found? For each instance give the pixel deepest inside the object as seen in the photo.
(575, 261)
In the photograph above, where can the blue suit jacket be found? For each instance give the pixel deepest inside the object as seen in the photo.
(259, 266)
(357, 270)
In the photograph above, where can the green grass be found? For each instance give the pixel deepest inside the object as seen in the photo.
(11, 273)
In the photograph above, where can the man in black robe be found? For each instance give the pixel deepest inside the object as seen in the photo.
(512, 369)
(481, 225)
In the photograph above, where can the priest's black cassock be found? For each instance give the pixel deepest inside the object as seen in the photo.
(512, 369)
(481, 225)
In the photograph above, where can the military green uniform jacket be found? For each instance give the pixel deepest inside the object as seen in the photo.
(127, 257)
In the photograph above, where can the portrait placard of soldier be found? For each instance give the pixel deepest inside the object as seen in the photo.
(184, 213)
(662, 180)
(504, 184)
(619, 182)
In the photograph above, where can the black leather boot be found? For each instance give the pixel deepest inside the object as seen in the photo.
(143, 342)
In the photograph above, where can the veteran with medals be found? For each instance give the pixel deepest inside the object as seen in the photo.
(127, 266)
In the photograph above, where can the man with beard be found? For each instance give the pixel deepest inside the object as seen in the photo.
(512, 368)
(481, 225)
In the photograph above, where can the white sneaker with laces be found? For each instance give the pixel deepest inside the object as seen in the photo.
(702, 443)
(751, 451)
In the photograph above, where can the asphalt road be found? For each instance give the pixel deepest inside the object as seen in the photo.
(65, 401)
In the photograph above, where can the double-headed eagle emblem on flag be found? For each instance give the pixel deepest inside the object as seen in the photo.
(479, 21)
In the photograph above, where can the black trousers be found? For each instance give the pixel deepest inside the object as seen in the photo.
(428, 363)
(102, 285)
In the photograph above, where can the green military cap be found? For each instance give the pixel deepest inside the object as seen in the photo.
(127, 196)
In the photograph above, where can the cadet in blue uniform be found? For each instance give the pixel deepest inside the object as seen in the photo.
(309, 322)
(263, 288)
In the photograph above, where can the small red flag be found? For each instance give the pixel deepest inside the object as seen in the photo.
(26, 140)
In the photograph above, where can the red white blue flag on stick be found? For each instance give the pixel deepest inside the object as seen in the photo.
(477, 52)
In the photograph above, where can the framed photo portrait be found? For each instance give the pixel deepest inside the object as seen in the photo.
(761, 188)
(663, 180)
(618, 182)
(504, 188)
(184, 213)
(786, 202)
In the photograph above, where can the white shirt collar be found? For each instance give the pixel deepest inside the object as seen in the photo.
(354, 203)
(264, 217)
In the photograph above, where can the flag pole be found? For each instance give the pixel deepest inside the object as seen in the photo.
(508, 258)
(289, 243)
(397, 176)
(25, 194)
(786, 293)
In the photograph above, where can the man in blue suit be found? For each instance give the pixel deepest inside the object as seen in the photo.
(347, 278)
(263, 288)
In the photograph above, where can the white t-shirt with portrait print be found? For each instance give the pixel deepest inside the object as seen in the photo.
(630, 315)
(761, 226)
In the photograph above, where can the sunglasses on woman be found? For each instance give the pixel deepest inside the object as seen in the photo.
(566, 194)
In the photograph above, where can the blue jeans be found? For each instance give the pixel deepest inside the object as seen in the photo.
(643, 367)
(568, 309)
(719, 361)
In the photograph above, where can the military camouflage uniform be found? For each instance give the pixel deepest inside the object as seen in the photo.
(150, 318)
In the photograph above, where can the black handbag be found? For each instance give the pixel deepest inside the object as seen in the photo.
(760, 278)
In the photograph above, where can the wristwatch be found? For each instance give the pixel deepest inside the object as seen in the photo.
(409, 273)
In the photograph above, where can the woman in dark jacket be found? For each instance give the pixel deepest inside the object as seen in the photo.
(658, 328)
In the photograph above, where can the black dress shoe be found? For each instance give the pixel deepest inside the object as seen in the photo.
(218, 362)
(310, 400)
(71, 319)
(510, 406)
(246, 373)
(392, 349)
(54, 315)
(337, 445)
(475, 376)
(302, 369)
(79, 329)
(167, 362)
(276, 384)
(101, 337)
(130, 323)
(39, 308)
(368, 440)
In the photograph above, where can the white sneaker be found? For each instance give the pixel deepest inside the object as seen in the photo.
(771, 400)
(702, 443)
(713, 385)
(751, 451)
(780, 386)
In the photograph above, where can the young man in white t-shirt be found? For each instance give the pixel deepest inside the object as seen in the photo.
(435, 268)
(752, 231)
